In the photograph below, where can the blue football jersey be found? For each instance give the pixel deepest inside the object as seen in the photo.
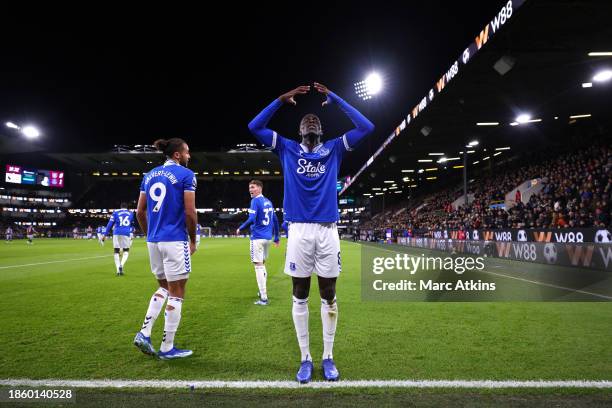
(285, 227)
(164, 187)
(121, 222)
(310, 178)
(261, 218)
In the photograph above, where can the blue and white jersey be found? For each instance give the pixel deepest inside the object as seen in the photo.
(122, 221)
(198, 230)
(310, 178)
(262, 219)
(101, 230)
(164, 187)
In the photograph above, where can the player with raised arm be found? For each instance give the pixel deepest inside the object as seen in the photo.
(167, 216)
(310, 171)
(121, 224)
(264, 226)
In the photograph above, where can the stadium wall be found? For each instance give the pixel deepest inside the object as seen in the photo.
(564, 235)
(583, 255)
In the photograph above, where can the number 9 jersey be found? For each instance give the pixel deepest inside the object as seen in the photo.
(164, 187)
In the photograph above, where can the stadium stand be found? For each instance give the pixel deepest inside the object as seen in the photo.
(576, 193)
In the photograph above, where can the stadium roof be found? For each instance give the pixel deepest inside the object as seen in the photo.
(139, 162)
(549, 42)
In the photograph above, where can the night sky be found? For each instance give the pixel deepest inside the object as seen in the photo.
(115, 76)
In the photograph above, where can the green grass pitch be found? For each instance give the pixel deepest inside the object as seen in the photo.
(69, 317)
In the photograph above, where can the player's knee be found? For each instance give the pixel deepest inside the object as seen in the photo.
(301, 287)
(300, 293)
(169, 307)
(116, 250)
(126, 249)
(328, 294)
(327, 289)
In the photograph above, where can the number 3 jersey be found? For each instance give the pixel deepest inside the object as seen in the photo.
(120, 222)
(164, 187)
(264, 224)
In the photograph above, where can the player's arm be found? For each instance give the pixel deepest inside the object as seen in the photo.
(259, 125)
(275, 228)
(111, 221)
(191, 218)
(363, 126)
(252, 217)
(141, 212)
(191, 215)
(141, 209)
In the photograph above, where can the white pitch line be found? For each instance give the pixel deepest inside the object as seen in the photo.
(525, 280)
(315, 384)
(550, 285)
(52, 262)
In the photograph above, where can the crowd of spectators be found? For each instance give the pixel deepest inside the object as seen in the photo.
(576, 194)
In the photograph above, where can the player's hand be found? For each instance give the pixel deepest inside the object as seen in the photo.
(289, 97)
(104, 238)
(192, 247)
(237, 231)
(276, 244)
(323, 89)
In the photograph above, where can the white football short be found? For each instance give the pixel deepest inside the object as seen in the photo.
(121, 241)
(259, 249)
(170, 260)
(313, 247)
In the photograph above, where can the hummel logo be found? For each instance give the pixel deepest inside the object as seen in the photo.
(323, 151)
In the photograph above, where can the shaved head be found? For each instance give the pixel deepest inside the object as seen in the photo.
(311, 124)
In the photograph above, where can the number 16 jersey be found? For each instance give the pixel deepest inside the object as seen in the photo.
(120, 222)
(164, 187)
